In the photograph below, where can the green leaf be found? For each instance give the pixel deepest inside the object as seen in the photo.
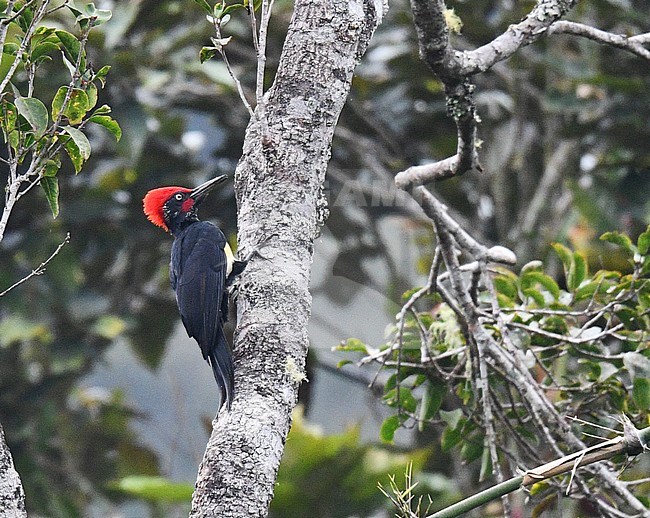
(231, 8)
(14, 139)
(352, 345)
(643, 243)
(451, 436)
(91, 92)
(406, 400)
(73, 9)
(451, 418)
(102, 110)
(79, 139)
(50, 185)
(101, 16)
(486, 465)
(8, 117)
(565, 256)
(389, 427)
(587, 291)
(207, 53)
(71, 47)
(532, 277)
(25, 19)
(43, 50)
(5, 64)
(51, 168)
(432, 400)
(343, 363)
(11, 48)
(57, 101)
(34, 112)
(77, 107)
(157, 489)
(536, 295)
(505, 286)
(109, 123)
(620, 240)
(205, 6)
(391, 383)
(471, 450)
(641, 393)
(101, 75)
(103, 72)
(577, 272)
(77, 147)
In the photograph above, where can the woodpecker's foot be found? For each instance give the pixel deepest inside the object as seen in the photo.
(239, 265)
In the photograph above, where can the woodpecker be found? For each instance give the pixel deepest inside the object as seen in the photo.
(202, 266)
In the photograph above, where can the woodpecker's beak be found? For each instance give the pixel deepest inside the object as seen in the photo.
(199, 193)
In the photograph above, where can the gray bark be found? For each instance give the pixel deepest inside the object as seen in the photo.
(12, 497)
(279, 192)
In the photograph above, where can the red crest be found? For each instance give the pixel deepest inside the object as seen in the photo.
(154, 201)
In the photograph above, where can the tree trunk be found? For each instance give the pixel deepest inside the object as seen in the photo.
(12, 497)
(279, 193)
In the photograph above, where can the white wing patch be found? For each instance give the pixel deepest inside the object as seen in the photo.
(230, 258)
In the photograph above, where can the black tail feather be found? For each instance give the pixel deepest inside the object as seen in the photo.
(220, 360)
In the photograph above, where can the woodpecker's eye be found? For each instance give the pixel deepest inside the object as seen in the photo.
(179, 196)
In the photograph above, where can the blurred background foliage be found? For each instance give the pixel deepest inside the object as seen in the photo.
(183, 123)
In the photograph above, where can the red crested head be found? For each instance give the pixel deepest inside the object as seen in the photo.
(155, 200)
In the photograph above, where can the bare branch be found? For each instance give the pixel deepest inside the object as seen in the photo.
(240, 90)
(529, 30)
(265, 17)
(40, 269)
(632, 44)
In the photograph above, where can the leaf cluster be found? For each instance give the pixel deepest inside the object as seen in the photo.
(36, 133)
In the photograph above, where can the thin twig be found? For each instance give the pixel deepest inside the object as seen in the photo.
(265, 17)
(240, 90)
(40, 269)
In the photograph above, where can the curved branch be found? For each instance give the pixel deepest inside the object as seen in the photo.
(632, 44)
(518, 35)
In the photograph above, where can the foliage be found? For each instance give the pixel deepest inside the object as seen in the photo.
(320, 475)
(34, 135)
(334, 475)
(584, 340)
(157, 489)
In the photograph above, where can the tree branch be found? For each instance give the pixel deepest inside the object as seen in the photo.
(41, 268)
(632, 44)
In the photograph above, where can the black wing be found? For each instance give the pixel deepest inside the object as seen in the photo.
(198, 276)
